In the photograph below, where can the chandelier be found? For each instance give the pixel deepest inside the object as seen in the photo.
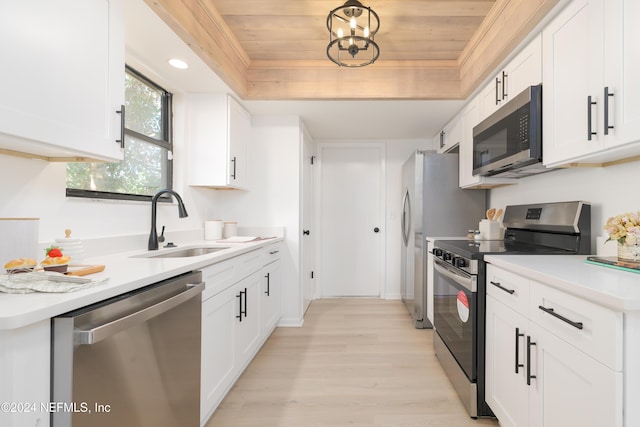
(352, 28)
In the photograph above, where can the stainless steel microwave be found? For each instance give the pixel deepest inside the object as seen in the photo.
(508, 143)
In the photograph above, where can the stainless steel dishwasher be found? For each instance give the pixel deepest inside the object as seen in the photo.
(133, 360)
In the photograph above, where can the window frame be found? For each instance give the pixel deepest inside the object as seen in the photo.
(166, 142)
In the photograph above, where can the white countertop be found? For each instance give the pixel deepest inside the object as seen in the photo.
(616, 289)
(126, 272)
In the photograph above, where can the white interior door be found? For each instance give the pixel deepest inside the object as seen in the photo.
(351, 219)
(308, 236)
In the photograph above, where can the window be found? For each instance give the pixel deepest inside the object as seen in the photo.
(147, 166)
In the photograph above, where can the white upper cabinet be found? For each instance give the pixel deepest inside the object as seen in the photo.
(524, 70)
(219, 134)
(622, 59)
(449, 137)
(591, 107)
(62, 78)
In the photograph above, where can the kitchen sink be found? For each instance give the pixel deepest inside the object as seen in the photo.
(185, 253)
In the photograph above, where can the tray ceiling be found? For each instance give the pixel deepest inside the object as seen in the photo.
(276, 49)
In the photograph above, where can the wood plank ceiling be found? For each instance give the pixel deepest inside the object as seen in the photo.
(276, 49)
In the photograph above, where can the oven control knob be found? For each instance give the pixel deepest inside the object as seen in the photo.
(437, 252)
(447, 256)
(459, 262)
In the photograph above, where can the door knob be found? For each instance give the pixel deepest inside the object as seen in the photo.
(375, 230)
(306, 232)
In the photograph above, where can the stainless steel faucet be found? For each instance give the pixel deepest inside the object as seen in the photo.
(182, 213)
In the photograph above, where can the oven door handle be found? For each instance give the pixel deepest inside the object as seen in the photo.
(468, 282)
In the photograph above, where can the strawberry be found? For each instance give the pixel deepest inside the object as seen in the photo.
(53, 252)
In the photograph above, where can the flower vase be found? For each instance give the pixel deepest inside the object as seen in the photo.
(629, 252)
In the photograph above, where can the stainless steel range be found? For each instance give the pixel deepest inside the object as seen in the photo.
(460, 287)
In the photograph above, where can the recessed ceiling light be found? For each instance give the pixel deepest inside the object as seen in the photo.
(178, 63)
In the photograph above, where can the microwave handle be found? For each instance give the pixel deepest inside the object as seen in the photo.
(468, 283)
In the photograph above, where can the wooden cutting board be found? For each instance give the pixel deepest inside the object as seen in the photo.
(83, 270)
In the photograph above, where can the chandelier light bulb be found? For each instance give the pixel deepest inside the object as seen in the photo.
(366, 32)
(352, 22)
(340, 33)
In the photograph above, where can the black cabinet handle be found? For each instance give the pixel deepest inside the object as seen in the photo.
(504, 85)
(273, 252)
(499, 286)
(497, 93)
(306, 232)
(590, 103)
(518, 335)
(245, 303)
(607, 94)
(268, 277)
(529, 345)
(240, 312)
(376, 230)
(121, 111)
(233, 174)
(577, 325)
(442, 133)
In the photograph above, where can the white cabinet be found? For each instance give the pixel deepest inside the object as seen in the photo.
(524, 70)
(25, 372)
(591, 110)
(240, 309)
(62, 80)
(247, 315)
(470, 117)
(218, 352)
(271, 289)
(449, 137)
(552, 359)
(219, 132)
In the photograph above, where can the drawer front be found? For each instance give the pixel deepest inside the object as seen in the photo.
(508, 288)
(271, 253)
(218, 277)
(594, 329)
(249, 263)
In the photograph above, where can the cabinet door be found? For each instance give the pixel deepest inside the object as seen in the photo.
(490, 98)
(622, 68)
(570, 388)
(247, 318)
(506, 390)
(218, 359)
(524, 70)
(470, 118)
(65, 77)
(239, 136)
(270, 294)
(573, 46)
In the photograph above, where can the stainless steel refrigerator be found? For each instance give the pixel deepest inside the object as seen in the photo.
(432, 206)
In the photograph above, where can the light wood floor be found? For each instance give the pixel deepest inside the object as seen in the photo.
(356, 363)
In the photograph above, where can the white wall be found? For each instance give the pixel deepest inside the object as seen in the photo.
(611, 191)
(273, 199)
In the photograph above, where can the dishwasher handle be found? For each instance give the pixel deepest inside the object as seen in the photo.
(108, 329)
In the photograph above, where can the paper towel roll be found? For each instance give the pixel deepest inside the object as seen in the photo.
(213, 230)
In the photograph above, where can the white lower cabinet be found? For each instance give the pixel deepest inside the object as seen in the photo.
(25, 372)
(247, 318)
(271, 291)
(218, 352)
(240, 309)
(555, 363)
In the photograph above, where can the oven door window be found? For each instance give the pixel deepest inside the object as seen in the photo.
(455, 315)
